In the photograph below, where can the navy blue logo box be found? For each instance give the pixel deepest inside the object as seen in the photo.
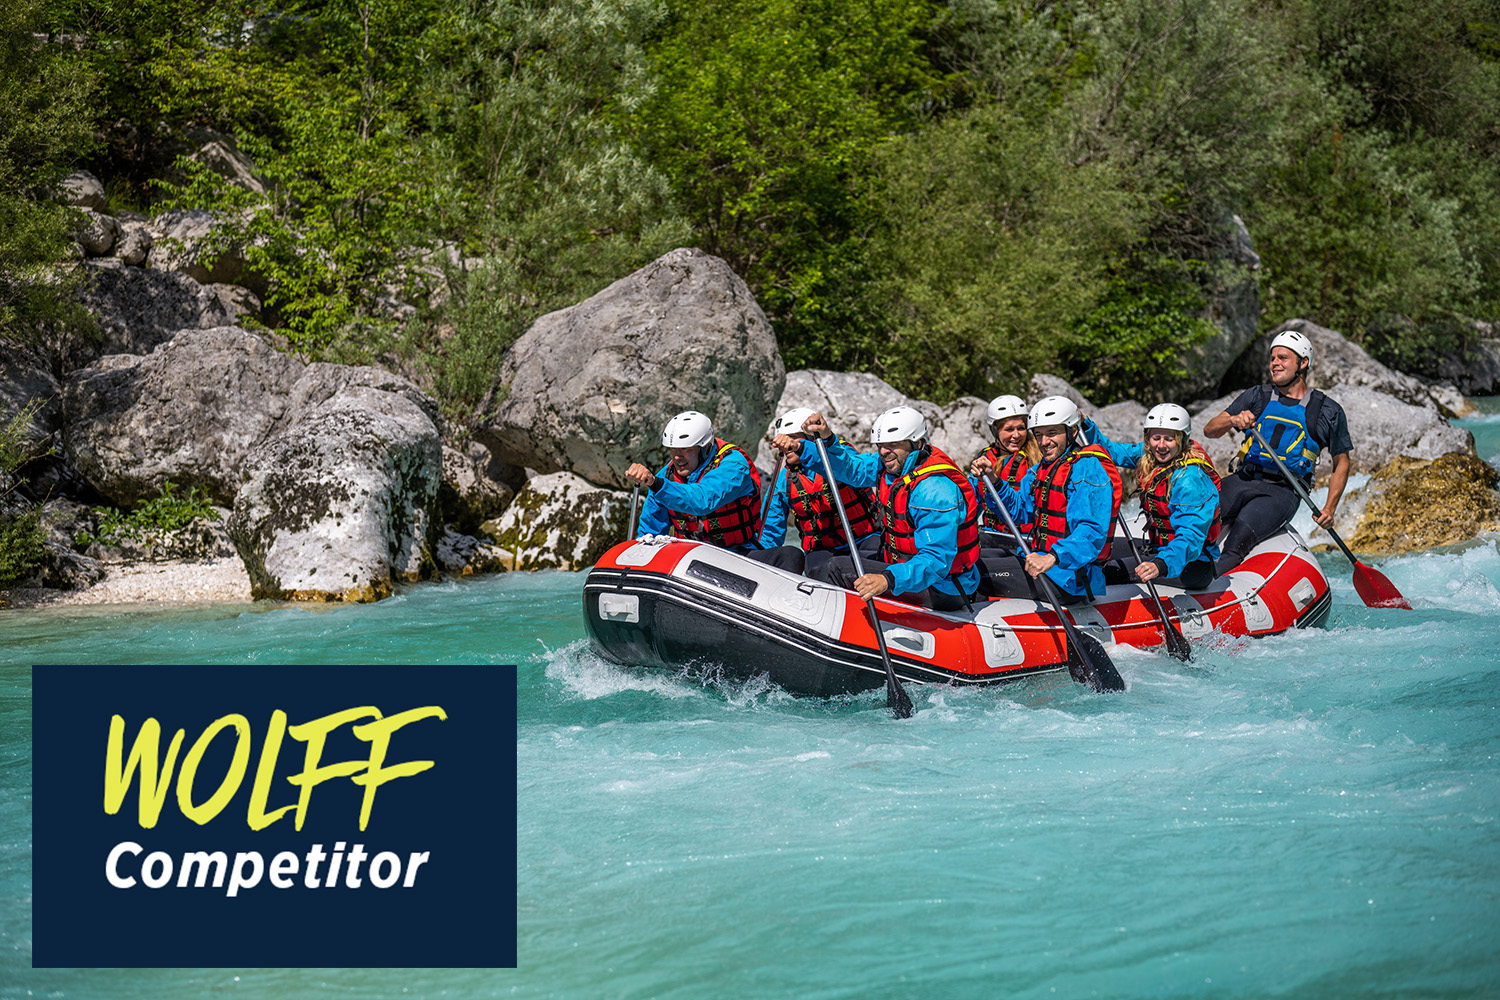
(455, 908)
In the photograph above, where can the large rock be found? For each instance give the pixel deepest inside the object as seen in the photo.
(591, 386)
(83, 190)
(1339, 361)
(560, 521)
(1043, 385)
(850, 401)
(1411, 505)
(1233, 307)
(337, 506)
(190, 412)
(468, 495)
(1381, 428)
(97, 233)
(136, 309)
(134, 245)
(221, 154)
(201, 245)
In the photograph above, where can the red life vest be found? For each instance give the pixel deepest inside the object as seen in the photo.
(1049, 496)
(732, 526)
(901, 531)
(1156, 496)
(818, 519)
(1009, 471)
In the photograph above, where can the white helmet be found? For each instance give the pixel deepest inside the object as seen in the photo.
(1002, 407)
(1168, 417)
(1296, 343)
(689, 429)
(900, 423)
(790, 422)
(1052, 410)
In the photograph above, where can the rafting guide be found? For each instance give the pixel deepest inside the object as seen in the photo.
(274, 816)
(249, 866)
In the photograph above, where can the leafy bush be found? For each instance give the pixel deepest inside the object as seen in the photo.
(21, 531)
(153, 520)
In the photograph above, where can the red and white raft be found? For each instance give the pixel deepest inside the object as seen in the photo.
(672, 604)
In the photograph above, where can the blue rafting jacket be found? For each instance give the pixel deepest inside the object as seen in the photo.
(705, 492)
(1089, 496)
(1192, 500)
(937, 511)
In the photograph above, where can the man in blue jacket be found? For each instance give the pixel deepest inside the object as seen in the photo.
(1071, 498)
(928, 511)
(708, 491)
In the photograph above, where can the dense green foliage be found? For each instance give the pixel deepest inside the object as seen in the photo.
(21, 531)
(951, 194)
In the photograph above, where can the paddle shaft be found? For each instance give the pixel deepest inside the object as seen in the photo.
(1170, 632)
(896, 696)
(1075, 641)
(1301, 491)
(765, 504)
(635, 499)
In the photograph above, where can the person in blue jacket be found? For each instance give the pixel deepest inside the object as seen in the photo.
(1071, 498)
(709, 490)
(927, 508)
(803, 498)
(1179, 495)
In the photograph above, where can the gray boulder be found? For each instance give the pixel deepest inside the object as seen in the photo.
(221, 154)
(468, 495)
(134, 245)
(1043, 385)
(850, 402)
(26, 384)
(336, 506)
(201, 245)
(559, 521)
(1339, 361)
(1233, 307)
(83, 190)
(458, 554)
(136, 309)
(1381, 427)
(1122, 422)
(97, 233)
(190, 412)
(237, 302)
(591, 386)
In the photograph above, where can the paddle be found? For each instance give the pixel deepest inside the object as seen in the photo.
(635, 499)
(1371, 584)
(1177, 643)
(1087, 660)
(765, 504)
(896, 698)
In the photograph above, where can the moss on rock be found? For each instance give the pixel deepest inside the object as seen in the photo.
(1419, 504)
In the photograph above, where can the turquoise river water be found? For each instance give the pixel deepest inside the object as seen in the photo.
(1311, 815)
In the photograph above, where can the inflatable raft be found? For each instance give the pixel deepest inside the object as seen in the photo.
(673, 604)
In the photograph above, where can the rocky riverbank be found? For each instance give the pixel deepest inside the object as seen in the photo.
(343, 483)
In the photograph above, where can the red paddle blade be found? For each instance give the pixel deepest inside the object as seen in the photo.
(1375, 590)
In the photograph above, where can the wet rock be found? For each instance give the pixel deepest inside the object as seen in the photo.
(83, 190)
(591, 386)
(97, 233)
(464, 555)
(468, 496)
(336, 506)
(560, 521)
(1411, 505)
(190, 413)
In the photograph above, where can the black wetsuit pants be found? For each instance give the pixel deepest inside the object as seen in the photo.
(794, 560)
(1002, 573)
(1253, 510)
(1195, 575)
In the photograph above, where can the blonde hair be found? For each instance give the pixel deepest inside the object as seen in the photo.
(1029, 447)
(1147, 466)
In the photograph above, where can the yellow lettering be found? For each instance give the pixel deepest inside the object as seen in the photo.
(154, 784)
(264, 772)
(315, 734)
(378, 734)
(231, 783)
